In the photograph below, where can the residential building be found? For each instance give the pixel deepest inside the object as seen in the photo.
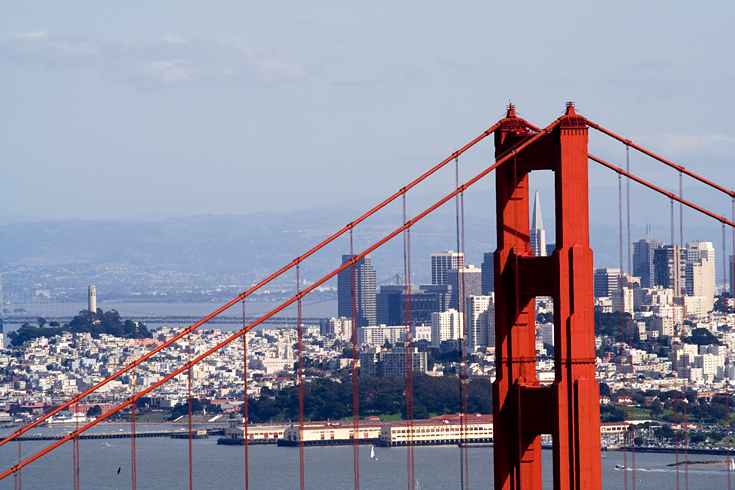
(480, 313)
(446, 325)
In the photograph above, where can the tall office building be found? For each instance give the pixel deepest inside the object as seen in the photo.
(465, 282)
(606, 280)
(669, 268)
(488, 273)
(92, 299)
(365, 279)
(643, 252)
(537, 233)
(442, 262)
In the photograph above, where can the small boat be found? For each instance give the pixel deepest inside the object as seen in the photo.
(731, 466)
(372, 453)
(105, 444)
(619, 466)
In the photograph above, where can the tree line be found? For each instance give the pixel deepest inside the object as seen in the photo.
(328, 399)
(94, 323)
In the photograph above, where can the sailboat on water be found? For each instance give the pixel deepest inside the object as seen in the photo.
(372, 453)
(732, 464)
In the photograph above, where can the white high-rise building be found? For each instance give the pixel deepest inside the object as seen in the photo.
(92, 299)
(480, 321)
(538, 234)
(700, 271)
(442, 262)
(446, 325)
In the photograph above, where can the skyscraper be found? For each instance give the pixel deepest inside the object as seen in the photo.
(443, 262)
(365, 279)
(488, 273)
(606, 280)
(669, 265)
(537, 234)
(465, 281)
(643, 251)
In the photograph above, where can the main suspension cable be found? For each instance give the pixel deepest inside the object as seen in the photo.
(519, 147)
(670, 195)
(627, 142)
(262, 283)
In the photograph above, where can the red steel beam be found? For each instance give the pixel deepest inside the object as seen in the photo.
(290, 301)
(670, 195)
(661, 159)
(262, 283)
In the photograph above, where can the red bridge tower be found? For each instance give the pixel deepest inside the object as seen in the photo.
(569, 408)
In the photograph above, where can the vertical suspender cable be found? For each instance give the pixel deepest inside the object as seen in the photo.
(624, 307)
(300, 376)
(727, 336)
(17, 482)
(410, 474)
(727, 347)
(245, 397)
(680, 284)
(355, 392)
(463, 343)
(677, 357)
(133, 462)
(76, 450)
(464, 379)
(621, 292)
(188, 388)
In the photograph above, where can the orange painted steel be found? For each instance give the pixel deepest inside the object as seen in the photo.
(670, 195)
(569, 408)
(660, 159)
(250, 291)
(509, 154)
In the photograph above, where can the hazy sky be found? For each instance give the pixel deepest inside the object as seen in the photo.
(127, 109)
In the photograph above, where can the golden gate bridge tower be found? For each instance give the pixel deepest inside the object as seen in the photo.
(569, 408)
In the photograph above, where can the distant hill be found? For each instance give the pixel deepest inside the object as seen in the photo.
(186, 256)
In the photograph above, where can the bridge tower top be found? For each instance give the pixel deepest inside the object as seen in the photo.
(569, 409)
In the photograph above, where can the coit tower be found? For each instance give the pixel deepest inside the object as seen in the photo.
(92, 298)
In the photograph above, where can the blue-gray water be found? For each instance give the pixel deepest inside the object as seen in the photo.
(163, 464)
